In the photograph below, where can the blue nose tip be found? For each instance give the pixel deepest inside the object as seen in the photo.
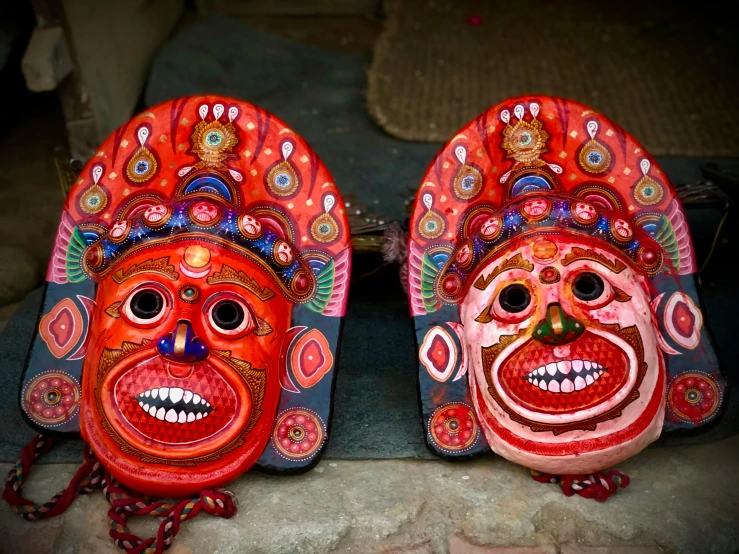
(182, 345)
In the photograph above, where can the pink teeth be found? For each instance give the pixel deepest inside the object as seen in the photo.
(557, 378)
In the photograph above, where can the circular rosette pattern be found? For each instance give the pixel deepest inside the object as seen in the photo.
(453, 428)
(693, 397)
(299, 434)
(52, 398)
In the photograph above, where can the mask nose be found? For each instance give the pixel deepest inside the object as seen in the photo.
(558, 328)
(182, 345)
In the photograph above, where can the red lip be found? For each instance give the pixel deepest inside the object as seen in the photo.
(564, 389)
(129, 395)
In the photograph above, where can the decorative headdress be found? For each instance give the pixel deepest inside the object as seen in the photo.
(551, 166)
(222, 172)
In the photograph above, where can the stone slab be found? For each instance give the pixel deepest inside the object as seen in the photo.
(682, 500)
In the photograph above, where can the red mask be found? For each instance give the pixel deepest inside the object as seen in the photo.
(551, 281)
(195, 299)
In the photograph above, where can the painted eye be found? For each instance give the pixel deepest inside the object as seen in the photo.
(228, 315)
(514, 298)
(231, 317)
(513, 304)
(588, 286)
(145, 307)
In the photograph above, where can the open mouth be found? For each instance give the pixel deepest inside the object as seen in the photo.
(566, 376)
(172, 410)
(174, 405)
(537, 379)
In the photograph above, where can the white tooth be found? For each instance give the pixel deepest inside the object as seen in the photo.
(141, 404)
(164, 393)
(207, 404)
(540, 371)
(600, 372)
(577, 365)
(567, 386)
(589, 379)
(535, 382)
(596, 376)
(190, 417)
(153, 411)
(175, 394)
(553, 386)
(160, 414)
(147, 394)
(205, 414)
(145, 407)
(587, 365)
(196, 399)
(551, 368)
(564, 367)
(154, 393)
(543, 384)
(182, 417)
(202, 401)
(187, 396)
(171, 416)
(199, 416)
(579, 383)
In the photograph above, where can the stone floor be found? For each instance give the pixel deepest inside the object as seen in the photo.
(683, 499)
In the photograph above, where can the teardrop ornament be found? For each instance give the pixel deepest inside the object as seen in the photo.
(93, 200)
(282, 179)
(324, 228)
(467, 182)
(595, 157)
(142, 166)
(431, 225)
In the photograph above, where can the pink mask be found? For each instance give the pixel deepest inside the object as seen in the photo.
(553, 296)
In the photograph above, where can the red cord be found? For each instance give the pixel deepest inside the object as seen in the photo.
(597, 486)
(124, 502)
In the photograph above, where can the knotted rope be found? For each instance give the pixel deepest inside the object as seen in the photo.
(124, 502)
(597, 486)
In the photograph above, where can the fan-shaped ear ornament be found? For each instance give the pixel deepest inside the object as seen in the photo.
(194, 302)
(557, 277)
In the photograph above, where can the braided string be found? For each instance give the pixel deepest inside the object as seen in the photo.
(597, 486)
(87, 479)
(124, 502)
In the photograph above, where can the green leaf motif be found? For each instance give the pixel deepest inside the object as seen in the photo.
(665, 236)
(75, 251)
(324, 288)
(429, 271)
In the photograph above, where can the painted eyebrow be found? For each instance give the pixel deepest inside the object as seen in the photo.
(577, 253)
(230, 275)
(514, 262)
(160, 266)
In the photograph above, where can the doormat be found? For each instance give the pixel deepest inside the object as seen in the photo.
(667, 76)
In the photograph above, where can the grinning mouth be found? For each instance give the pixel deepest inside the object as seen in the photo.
(175, 411)
(536, 379)
(566, 376)
(174, 404)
